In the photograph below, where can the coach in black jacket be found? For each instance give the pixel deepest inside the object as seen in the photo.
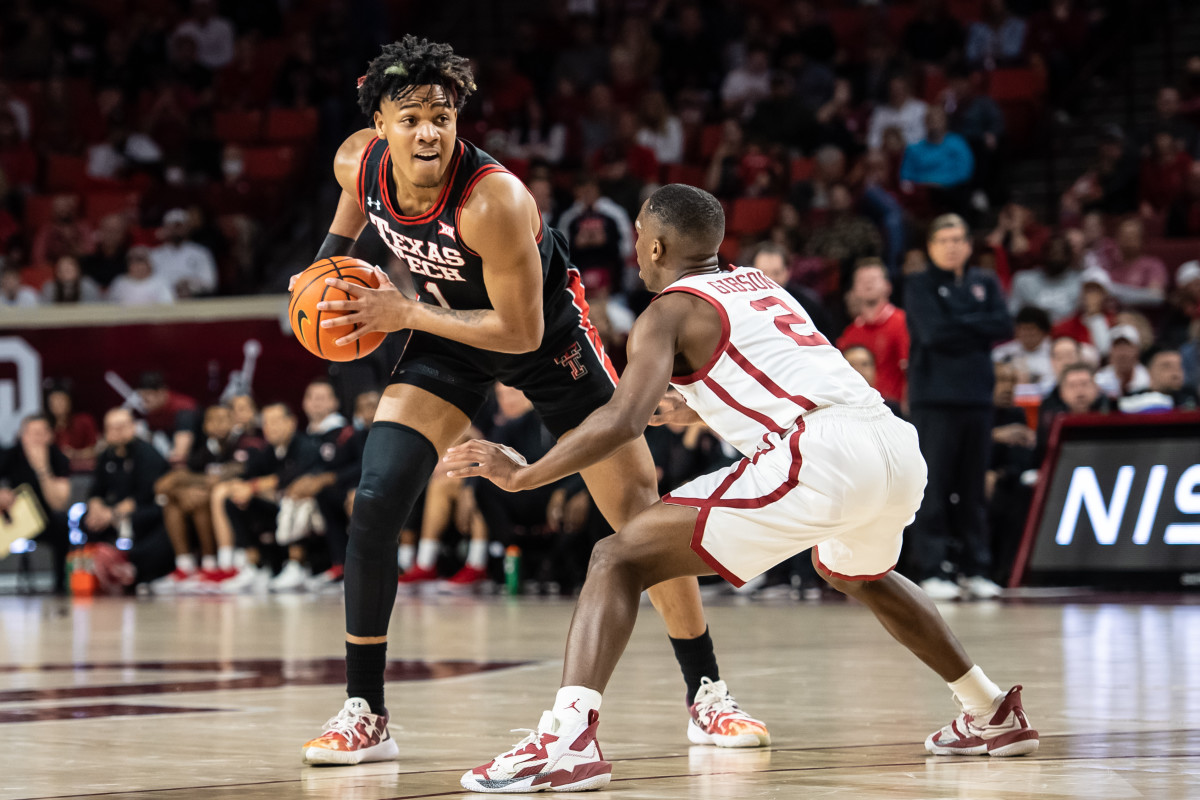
(955, 315)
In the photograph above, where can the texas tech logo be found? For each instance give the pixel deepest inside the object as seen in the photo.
(573, 359)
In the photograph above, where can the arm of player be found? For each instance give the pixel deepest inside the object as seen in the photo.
(499, 222)
(652, 347)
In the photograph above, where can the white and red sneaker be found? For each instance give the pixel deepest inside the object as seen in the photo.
(1003, 731)
(717, 719)
(562, 760)
(416, 577)
(466, 580)
(354, 736)
(173, 583)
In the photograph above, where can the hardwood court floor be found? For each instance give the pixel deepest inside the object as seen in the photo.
(210, 699)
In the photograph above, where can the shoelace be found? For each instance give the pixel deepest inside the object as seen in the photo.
(713, 702)
(534, 738)
(343, 725)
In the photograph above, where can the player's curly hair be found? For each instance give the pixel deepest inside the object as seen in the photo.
(411, 62)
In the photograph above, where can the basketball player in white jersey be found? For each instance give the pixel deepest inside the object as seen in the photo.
(826, 467)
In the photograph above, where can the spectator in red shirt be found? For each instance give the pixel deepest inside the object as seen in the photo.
(74, 432)
(170, 413)
(1164, 173)
(880, 327)
(1138, 279)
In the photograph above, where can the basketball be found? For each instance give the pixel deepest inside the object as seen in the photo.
(306, 319)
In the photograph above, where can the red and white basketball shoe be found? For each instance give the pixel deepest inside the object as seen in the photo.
(354, 736)
(717, 719)
(417, 576)
(1003, 731)
(562, 760)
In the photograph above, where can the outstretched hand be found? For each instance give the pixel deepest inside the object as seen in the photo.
(674, 410)
(499, 463)
(383, 309)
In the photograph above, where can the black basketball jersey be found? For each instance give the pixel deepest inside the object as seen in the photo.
(445, 270)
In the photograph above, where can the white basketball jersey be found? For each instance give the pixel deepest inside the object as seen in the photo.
(771, 366)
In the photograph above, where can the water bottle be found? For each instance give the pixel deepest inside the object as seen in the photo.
(512, 569)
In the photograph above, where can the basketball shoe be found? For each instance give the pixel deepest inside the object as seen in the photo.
(354, 736)
(416, 577)
(1003, 731)
(551, 758)
(717, 719)
(466, 580)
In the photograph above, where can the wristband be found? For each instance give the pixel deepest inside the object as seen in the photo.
(334, 245)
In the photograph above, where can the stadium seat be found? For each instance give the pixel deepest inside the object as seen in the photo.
(98, 205)
(801, 169)
(270, 163)
(730, 249)
(752, 215)
(238, 127)
(1016, 84)
(38, 210)
(65, 173)
(684, 173)
(710, 139)
(291, 125)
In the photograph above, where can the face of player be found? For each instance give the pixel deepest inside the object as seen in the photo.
(365, 406)
(420, 129)
(244, 410)
(319, 402)
(278, 426)
(649, 250)
(218, 422)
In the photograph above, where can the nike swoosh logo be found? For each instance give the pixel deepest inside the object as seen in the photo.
(301, 318)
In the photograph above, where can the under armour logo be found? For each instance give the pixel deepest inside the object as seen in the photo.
(373, 203)
(573, 706)
(446, 230)
(573, 359)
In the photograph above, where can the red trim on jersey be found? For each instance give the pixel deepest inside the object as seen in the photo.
(701, 373)
(706, 505)
(579, 300)
(840, 576)
(480, 174)
(362, 174)
(761, 378)
(728, 399)
(456, 159)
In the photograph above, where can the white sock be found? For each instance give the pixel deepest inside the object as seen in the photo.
(208, 562)
(185, 563)
(427, 550)
(405, 556)
(975, 691)
(572, 704)
(225, 557)
(477, 553)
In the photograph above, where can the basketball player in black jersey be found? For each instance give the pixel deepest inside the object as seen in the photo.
(496, 299)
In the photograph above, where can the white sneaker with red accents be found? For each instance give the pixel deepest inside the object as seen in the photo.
(717, 719)
(562, 760)
(354, 736)
(1003, 731)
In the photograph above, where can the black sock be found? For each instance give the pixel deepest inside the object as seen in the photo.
(365, 664)
(697, 660)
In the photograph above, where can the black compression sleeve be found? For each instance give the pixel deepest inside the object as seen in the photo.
(334, 245)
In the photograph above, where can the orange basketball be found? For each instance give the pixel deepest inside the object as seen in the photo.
(306, 320)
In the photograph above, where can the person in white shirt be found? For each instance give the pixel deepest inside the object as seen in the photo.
(661, 130)
(1029, 351)
(213, 35)
(13, 292)
(187, 267)
(1125, 374)
(139, 286)
(744, 86)
(902, 111)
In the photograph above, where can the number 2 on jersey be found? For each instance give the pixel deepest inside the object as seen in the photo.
(785, 322)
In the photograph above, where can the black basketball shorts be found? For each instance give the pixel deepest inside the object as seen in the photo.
(566, 379)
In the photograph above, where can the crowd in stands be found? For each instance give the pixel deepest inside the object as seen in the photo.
(150, 161)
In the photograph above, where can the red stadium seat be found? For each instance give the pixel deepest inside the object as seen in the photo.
(710, 138)
(730, 249)
(752, 215)
(801, 169)
(684, 173)
(98, 205)
(238, 127)
(291, 125)
(269, 163)
(1016, 84)
(65, 173)
(37, 212)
